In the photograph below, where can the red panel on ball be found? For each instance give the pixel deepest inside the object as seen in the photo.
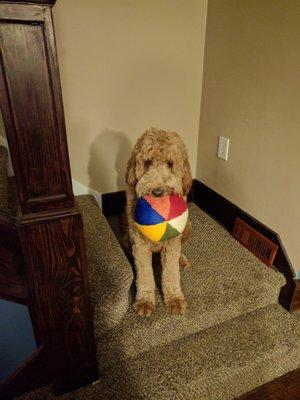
(160, 204)
(177, 206)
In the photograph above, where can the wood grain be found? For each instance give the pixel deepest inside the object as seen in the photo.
(29, 375)
(31, 104)
(48, 228)
(57, 275)
(296, 298)
(287, 387)
(13, 281)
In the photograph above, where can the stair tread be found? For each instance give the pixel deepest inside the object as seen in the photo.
(224, 281)
(110, 272)
(218, 363)
(221, 362)
(233, 339)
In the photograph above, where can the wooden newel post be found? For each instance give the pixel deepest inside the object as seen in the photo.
(50, 226)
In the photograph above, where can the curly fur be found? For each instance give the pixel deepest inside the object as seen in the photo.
(159, 161)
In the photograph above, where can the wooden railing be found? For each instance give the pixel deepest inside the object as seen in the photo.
(42, 250)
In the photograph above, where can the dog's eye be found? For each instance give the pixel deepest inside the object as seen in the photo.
(170, 163)
(147, 163)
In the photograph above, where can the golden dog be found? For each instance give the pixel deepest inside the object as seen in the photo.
(158, 166)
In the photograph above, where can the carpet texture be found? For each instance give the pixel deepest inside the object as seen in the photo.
(225, 280)
(219, 363)
(234, 337)
(110, 273)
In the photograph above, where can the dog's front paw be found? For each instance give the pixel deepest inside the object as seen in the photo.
(176, 305)
(184, 262)
(144, 308)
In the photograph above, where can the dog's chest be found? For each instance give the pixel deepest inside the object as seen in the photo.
(156, 247)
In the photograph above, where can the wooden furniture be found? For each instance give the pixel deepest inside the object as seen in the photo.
(42, 253)
(296, 298)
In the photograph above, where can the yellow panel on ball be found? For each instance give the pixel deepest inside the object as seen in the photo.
(153, 232)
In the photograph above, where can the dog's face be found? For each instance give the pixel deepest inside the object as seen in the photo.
(159, 165)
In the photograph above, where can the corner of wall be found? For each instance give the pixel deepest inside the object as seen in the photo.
(201, 89)
(80, 189)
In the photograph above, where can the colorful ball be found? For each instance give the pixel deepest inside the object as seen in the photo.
(161, 218)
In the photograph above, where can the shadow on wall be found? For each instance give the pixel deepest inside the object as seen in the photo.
(109, 153)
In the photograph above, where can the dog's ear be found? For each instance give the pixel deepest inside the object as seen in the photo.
(130, 172)
(187, 177)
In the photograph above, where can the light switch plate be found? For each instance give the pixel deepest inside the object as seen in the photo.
(223, 148)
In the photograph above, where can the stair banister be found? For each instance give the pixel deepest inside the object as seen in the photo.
(49, 223)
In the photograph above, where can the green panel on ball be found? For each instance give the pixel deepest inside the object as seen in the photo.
(170, 233)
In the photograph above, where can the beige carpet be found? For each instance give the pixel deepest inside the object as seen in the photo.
(224, 281)
(234, 338)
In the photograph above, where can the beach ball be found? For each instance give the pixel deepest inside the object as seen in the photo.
(161, 218)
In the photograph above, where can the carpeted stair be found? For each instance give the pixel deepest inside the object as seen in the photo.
(110, 273)
(223, 282)
(234, 337)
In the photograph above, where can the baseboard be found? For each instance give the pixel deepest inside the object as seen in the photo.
(113, 203)
(80, 189)
(296, 299)
(225, 212)
(33, 373)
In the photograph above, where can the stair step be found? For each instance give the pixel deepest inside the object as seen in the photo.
(110, 271)
(219, 363)
(224, 281)
(216, 249)
(233, 339)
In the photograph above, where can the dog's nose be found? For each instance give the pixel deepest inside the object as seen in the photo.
(158, 192)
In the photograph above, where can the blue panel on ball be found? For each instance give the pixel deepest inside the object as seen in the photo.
(145, 214)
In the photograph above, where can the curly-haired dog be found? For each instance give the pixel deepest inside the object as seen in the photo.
(158, 166)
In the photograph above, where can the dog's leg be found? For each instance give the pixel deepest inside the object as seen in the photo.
(183, 261)
(144, 304)
(173, 296)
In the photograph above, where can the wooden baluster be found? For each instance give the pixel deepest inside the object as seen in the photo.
(50, 226)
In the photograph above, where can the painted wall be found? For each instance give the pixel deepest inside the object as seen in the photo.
(127, 65)
(251, 94)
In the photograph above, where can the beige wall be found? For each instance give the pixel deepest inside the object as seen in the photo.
(251, 94)
(127, 65)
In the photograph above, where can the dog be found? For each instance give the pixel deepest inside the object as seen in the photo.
(158, 166)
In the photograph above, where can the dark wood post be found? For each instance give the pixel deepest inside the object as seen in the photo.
(50, 226)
